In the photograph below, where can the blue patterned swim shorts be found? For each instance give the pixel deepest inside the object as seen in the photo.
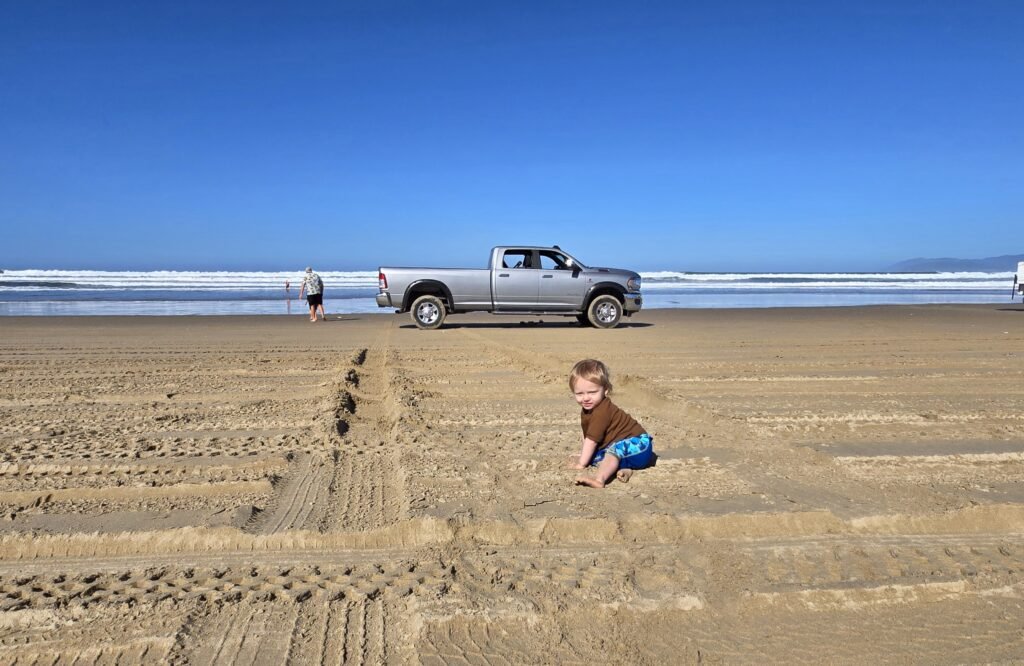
(633, 453)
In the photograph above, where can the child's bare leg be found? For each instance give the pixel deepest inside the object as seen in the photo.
(605, 470)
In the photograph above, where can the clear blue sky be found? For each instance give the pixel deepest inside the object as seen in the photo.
(796, 135)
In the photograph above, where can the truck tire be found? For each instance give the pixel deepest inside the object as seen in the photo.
(428, 312)
(583, 319)
(605, 311)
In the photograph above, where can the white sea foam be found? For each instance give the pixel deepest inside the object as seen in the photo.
(966, 281)
(176, 280)
(263, 280)
(699, 277)
(850, 285)
(28, 292)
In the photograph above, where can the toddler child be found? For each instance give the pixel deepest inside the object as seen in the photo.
(612, 439)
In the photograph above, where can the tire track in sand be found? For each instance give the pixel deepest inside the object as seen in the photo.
(349, 615)
(309, 494)
(367, 482)
(243, 633)
(344, 631)
(305, 493)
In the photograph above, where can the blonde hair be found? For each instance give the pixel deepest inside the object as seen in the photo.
(591, 370)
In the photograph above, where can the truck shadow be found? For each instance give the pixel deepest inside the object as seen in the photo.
(530, 324)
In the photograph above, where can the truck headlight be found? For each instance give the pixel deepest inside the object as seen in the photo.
(633, 284)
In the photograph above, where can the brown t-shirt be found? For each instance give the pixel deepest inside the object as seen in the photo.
(607, 424)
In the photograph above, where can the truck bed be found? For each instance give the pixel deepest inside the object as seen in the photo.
(470, 287)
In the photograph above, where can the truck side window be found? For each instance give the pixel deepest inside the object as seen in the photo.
(549, 261)
(516, 259)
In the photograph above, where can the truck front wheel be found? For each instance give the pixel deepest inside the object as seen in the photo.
(605, 311)
(428, 312)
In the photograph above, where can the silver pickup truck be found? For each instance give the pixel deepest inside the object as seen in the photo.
(521, 280)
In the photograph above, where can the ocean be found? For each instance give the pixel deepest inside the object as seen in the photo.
(69, 292)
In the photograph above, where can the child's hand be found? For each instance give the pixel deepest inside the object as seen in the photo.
(574, 463)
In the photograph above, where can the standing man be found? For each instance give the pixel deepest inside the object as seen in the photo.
(313, 286)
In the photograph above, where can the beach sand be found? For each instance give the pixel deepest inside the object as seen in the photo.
(841, 485)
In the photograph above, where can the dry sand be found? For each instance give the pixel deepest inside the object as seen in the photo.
(833, 485)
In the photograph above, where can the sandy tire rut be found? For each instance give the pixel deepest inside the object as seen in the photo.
(348, 481)
(336, 476)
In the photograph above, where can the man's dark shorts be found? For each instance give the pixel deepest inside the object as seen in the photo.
(315, 299)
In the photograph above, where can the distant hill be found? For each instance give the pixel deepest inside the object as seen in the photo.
(1005, 263)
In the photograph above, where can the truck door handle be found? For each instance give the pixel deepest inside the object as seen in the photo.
(502, 274)
(547, 276)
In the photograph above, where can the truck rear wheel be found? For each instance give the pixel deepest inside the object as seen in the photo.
(605, 311)
(428, 312)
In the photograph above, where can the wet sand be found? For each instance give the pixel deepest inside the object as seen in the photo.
(841, 485)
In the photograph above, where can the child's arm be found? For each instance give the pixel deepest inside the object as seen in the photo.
(587, 449)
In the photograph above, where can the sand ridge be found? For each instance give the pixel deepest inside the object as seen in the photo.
(832, 484)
